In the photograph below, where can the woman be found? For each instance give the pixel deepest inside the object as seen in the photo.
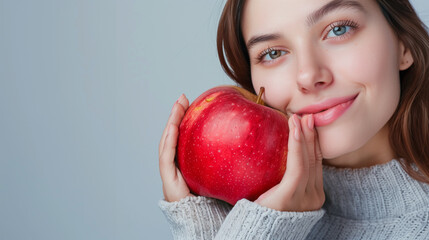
(351, 75)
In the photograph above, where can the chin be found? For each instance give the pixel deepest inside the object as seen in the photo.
(339, 149)
(331, 155)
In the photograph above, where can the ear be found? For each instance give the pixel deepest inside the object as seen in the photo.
(405, 57)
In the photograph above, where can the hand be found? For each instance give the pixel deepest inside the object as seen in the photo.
(301, 188)
(173, 184)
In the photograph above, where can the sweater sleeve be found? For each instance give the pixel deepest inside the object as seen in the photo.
(195, 217)
(205, 218)
(249, 220)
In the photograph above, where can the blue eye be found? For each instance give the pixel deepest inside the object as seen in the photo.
(338, 31)
(341, 28)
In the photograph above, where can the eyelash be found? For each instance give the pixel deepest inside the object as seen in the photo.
(264, 53)
(342, 23)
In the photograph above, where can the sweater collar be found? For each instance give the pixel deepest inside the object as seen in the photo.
(380, 191)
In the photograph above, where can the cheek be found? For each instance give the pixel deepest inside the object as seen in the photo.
(371, 61)
(372, 69)
(277, 86)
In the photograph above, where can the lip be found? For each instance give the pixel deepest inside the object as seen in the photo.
(328, 111)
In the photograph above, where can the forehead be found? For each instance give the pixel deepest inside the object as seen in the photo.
(270, 15)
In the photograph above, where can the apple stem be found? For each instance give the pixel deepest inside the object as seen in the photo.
(259, 99)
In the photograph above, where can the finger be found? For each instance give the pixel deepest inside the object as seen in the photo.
(318, 165)
(308, 131)
(295, 166)
(176, 115)
(184, 101)
(167, 167)
(263, 196)
(173, 114)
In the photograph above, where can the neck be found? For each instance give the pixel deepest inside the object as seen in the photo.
(376, 151)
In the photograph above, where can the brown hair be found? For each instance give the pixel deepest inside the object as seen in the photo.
(409, 126)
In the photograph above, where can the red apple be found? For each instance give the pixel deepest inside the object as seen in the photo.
(231, 147)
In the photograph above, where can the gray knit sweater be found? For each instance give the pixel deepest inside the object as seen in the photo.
(380, 202)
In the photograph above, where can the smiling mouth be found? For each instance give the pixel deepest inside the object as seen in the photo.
(339, 105)
(327, 112)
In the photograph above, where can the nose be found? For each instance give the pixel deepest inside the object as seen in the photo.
(313, 73)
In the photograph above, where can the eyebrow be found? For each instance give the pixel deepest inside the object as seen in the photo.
(262, 38)
(330, 7)
(312, 19)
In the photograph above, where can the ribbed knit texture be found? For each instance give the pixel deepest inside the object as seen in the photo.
(250, 221)
(195, 217)
(380, 202)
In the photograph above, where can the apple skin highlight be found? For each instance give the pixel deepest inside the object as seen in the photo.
(230, 147)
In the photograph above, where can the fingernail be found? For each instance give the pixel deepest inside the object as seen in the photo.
(181, 98)
(178, 100)
(310, 121)
(297, 126)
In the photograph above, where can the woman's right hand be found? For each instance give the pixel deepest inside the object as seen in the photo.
(173, 184)
(301, 188)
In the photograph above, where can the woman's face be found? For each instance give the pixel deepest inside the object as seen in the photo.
(338, 60)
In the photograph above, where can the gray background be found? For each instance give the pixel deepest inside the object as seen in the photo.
(86, 87)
